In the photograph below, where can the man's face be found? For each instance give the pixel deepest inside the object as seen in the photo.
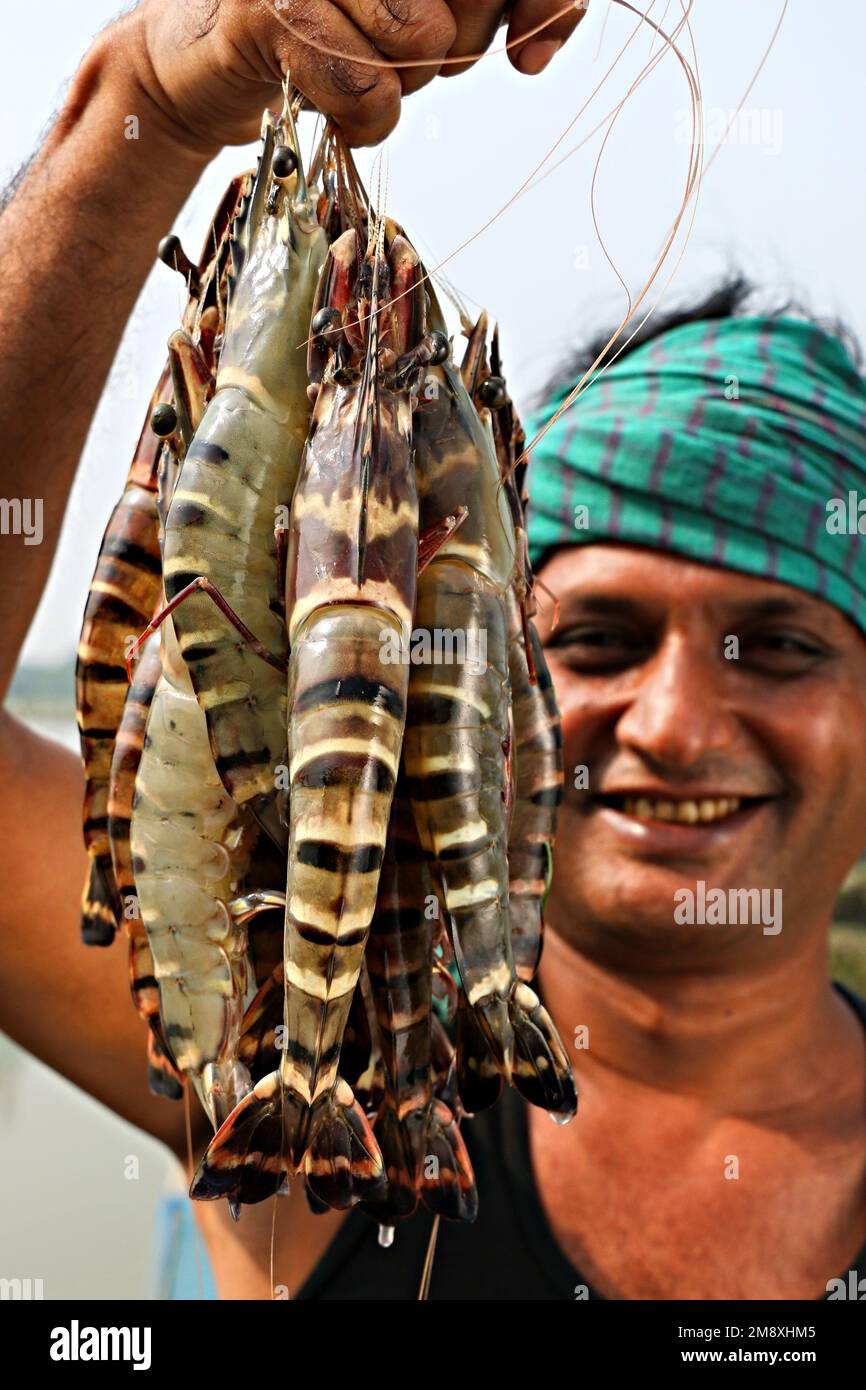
(721, 720)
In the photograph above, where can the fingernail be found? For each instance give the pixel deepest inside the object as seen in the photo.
(535, 56)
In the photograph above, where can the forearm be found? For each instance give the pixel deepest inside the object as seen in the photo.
(67, 1004)
(77, 240)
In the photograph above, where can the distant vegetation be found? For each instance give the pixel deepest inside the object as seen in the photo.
(848, 940)
(44, 691)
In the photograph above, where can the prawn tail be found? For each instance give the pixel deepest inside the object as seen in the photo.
(395, 1142)
(447, 1182)
(162, 1075)
(424, 1156)
(542, 1073)
(100, 905)
(245, 1159)
(274, 1130)
(479, 1080)
(342, 1164)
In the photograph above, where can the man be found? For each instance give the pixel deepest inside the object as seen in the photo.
(721, 1145)
(710, 666)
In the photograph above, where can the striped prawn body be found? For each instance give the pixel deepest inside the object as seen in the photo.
(537, 755)
(190, 368)
(190, 852)
(351, 597)
(123, 594)
(127, 583)
(163, 1076)
(458, 752)
(189, 847)
(417, 1133)
(537, 733)
(241, 467)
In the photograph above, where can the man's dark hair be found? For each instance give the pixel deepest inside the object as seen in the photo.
(735, 296)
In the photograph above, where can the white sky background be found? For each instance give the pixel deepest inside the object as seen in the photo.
(789, 207)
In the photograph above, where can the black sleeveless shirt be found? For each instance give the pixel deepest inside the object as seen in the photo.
(509, 1252)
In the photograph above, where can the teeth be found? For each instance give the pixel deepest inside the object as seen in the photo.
(683, 812)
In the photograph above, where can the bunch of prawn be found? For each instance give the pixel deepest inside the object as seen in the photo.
(295, 522)
(328, 840)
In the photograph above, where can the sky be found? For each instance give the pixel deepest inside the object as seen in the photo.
(784, 200)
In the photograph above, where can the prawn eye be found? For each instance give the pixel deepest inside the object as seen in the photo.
(163, 421)
(172, 254)
(168, 249)
(493, 393)
(326, 318)
(439, 347)
(285, 162)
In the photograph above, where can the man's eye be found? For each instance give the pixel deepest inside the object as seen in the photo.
(597, 648)
(785, 652)
(591, 636)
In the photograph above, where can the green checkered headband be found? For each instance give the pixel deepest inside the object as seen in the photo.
(740, 442)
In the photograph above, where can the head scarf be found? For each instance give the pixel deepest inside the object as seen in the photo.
(739, 442)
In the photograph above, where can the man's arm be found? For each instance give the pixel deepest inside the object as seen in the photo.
(66, 1003)
(76, 242)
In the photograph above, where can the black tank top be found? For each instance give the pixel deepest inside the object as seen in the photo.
(510, 1252)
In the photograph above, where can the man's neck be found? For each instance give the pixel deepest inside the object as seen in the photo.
(745, 1041)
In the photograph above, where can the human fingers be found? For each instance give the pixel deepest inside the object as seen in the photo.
(560, 21)
(477, 22)
(417, 33)
(335, 64)
(211, 80)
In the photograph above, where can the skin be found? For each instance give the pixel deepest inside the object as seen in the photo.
(704, 1041)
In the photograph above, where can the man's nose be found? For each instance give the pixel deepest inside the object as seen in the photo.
(679, 713)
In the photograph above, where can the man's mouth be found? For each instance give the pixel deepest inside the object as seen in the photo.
(703, 810)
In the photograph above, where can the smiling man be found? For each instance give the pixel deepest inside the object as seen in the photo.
(710, 666)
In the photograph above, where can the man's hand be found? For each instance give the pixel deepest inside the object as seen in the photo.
(210, 66)
(478, 20)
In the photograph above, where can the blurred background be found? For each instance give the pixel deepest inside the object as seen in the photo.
(784, 201)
